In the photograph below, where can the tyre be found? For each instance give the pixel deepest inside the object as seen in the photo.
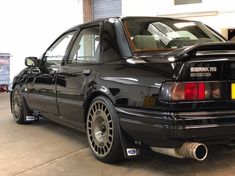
(19, 106)
(103, 131)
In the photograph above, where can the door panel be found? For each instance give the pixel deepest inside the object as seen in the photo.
(42, 93)
(73, 80)
(72, 85)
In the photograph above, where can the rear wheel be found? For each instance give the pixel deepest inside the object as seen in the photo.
(103, 131)
(19, 106)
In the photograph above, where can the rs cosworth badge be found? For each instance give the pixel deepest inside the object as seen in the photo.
(202, 71)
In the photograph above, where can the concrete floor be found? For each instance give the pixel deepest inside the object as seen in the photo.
(45, 148)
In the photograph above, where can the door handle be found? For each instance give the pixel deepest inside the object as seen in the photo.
(52, 72)
(86, 72)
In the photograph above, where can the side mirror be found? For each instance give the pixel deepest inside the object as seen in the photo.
(31, 62)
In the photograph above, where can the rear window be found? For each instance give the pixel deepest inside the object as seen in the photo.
(146, 34)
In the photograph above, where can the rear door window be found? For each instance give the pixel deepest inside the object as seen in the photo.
(86, 48)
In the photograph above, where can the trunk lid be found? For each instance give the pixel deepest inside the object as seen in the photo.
(212, 67)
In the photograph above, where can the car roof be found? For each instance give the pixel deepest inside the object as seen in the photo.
(119, 17)
(90, 23)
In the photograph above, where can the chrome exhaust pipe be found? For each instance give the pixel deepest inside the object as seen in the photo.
(197, 151)
(193, 150)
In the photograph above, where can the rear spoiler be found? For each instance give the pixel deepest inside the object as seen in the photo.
(192, 51)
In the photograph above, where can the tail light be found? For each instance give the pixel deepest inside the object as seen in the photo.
(191, 91)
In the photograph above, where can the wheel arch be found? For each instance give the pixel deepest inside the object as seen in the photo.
(90, 98)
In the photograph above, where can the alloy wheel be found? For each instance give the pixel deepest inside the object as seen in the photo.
(100, 129)
(16, 104)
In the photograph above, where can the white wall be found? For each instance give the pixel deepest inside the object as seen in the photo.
(219, 13)
(159, 7)
(28, 27)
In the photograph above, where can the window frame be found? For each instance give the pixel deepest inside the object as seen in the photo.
(44, 57)
(79, 30)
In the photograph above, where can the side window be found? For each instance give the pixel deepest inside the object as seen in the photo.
(86, 48)
(57, 51)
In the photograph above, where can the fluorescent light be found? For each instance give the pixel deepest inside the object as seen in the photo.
(191, 14)
(184, 24)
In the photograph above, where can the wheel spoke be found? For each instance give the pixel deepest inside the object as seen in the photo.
(90, 118)
(108, 116)
(92, 111)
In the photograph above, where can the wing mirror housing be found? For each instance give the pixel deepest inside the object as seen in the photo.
(31, 62)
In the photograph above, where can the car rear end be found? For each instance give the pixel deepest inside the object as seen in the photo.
(198, 101)
(202, 95)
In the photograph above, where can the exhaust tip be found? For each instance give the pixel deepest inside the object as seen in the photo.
(194, 150)
(201, 152)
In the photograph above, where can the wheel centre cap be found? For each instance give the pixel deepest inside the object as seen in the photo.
(103, 128)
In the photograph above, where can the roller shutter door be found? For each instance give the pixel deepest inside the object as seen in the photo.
(107, 8)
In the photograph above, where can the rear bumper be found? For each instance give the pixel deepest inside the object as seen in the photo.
(168, 129)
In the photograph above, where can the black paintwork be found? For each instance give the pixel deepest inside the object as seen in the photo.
(64, 94)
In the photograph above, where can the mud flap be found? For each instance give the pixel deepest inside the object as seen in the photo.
(130, 149)
(32, 118)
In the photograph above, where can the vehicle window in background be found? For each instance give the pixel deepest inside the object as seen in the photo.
(159, 34)
(86, 47)
(56, 53)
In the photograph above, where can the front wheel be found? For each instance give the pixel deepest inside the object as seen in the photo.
(19, 106)
(103, 131)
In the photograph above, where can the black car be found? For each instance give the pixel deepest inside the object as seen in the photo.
(133, 82)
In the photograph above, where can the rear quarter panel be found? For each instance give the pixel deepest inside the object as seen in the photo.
(133, 85)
